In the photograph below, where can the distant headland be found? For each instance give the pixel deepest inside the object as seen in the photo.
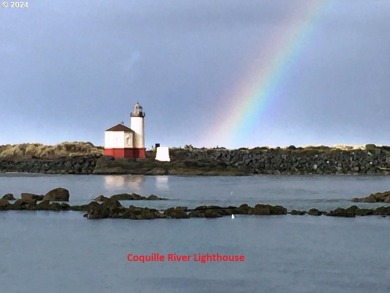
(85, 158)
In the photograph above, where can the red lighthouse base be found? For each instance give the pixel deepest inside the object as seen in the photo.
(134, 153)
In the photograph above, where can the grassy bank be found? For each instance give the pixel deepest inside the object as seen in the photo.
(40, 151)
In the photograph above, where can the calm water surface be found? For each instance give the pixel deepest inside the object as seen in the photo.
(64, 252)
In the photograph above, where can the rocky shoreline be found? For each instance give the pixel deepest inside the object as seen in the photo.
(368, 160)
(110, 207)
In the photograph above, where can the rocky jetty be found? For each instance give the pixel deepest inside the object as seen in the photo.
(374, 197)
(291, 160)
(71, 159)
(356, 211)
(111, 207)
(369, 159)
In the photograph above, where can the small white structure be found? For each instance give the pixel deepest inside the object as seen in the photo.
(162, 154)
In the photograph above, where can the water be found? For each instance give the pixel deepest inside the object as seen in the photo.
(293, 192)
(64, 252)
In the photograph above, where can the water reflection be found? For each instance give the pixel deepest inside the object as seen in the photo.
(162, 183)
(134, 182)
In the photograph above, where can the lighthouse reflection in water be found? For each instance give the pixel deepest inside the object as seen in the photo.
(135, 183)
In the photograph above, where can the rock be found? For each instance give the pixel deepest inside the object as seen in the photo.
(196, 214)
(57, 194)
(24, 204)
(278, 210)
(364, 212)
(382, 211)
(4, 204)
(65, 206)
(260, 209)
(138, 213)
(371, 198)
(341, 212)
(374, 197)
(111, 208)
(297, 213)
(55, 206)
(243, 209)
(43, 205)
(127, 196)
(176, 213)
(314, 212)
(213, 213)
(95, 212)
(8, 196)
(31, 196)
(101, 198)
(154, 197)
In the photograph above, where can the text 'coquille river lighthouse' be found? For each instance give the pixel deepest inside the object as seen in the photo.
(121, 141)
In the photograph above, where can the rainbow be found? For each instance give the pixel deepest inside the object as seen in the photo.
(245, 104)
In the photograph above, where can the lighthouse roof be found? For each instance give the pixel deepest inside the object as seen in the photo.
(120, 127)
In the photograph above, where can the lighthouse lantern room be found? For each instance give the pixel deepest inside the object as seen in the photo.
(121, 141)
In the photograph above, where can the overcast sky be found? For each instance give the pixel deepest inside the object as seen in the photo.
(71, 69)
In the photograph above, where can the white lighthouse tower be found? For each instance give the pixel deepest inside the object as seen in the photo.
(137, 125)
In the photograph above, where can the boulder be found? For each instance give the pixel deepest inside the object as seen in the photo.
(127, 196)
(148, 214)
(176, 213)
(57, 194)
(101, 198)
(374, 197)
(24, 204)
(154, 197)
(297, 213)
(260, 209)
(4, 204)
(278, 210)
(341, 212)
(8, 196)
(243, 209)
(111, 208)
(31, 196)
(214, 213)
(196, 214)
(364, 212)
(55, 206)
(314, 212)
(382, 211)
(111, 204)
(95, 211)
(43, 205)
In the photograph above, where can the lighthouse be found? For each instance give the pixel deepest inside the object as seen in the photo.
(121, 141)
(137, 125)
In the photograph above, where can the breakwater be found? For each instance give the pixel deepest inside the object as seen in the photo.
(111, 207)
(368, 160)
